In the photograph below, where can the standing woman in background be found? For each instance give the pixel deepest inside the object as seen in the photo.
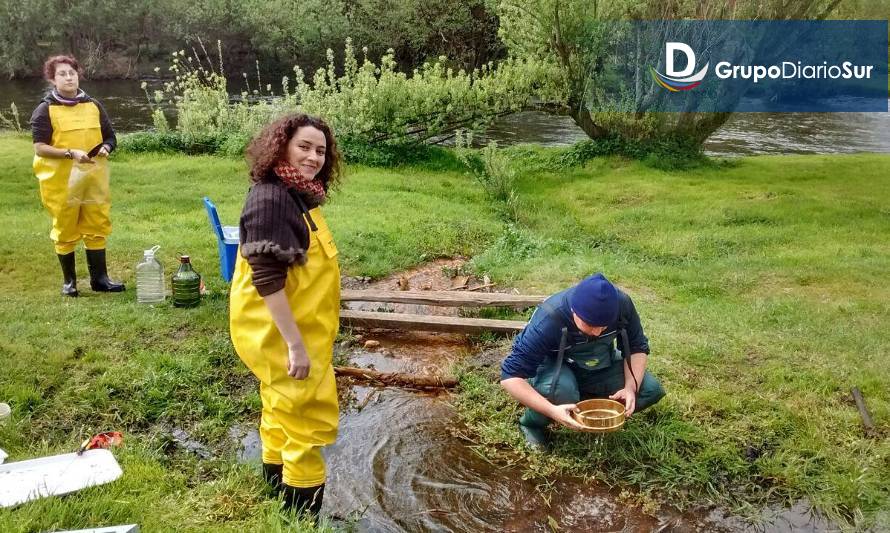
(285, 302)
(72, 139)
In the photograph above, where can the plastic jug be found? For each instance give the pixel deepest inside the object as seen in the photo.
(150, 278)
(186, 285)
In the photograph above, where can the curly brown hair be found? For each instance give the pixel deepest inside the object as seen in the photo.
(49, 66)
(270, 145)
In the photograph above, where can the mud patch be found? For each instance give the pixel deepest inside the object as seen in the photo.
(246, 441)
(438, 275)
(413, 352)
(183, 440)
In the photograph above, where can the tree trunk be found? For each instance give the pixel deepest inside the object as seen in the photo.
(709, 123)
(582, 118)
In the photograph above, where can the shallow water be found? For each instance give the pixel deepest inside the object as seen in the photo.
(400, 464)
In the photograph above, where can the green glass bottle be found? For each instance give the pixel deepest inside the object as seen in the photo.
(186, 285)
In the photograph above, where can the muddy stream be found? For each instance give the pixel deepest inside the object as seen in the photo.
(399, 464)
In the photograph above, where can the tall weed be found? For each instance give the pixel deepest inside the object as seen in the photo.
(13, 121)
(494, 171)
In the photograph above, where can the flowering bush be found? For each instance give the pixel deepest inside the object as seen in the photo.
(367, 103)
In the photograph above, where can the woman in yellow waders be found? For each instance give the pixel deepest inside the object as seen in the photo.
(72, 139)
(285, 302)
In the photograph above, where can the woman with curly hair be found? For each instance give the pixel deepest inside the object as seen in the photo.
(72, 139)
(285, 302)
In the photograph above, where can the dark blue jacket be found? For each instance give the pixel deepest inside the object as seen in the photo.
(540, 338)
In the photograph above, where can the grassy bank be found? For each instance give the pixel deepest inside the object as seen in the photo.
(761, 285)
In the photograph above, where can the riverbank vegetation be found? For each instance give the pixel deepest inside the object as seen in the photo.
(372, 106)
(760, 283)
(276, 33)
(424, 71)
(280, 34)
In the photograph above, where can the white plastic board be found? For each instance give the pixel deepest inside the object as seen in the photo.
(129, 528)
(24, 481)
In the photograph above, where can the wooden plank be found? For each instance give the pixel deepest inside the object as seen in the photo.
(453, 324)
(443, 298)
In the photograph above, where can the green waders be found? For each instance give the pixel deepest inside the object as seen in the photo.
(593, 369)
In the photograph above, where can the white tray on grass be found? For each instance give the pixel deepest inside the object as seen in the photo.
(24, 481)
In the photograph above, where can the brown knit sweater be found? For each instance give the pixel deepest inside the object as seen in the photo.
(274, 234)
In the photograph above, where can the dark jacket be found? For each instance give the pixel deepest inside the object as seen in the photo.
(540, 338)
(273, 233)
(42, 128)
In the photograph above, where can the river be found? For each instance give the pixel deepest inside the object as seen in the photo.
(743, 134)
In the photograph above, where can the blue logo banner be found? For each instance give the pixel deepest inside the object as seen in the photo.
(738, 66)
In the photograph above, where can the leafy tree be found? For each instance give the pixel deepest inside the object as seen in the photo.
(113, 37)
(569, 33)
(104, 41)
(463, 31)
(24, 34)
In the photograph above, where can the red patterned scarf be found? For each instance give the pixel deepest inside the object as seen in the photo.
(293, 178)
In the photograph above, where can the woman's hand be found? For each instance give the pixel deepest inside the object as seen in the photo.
(563, 415)
(79, 156)
(297, 361)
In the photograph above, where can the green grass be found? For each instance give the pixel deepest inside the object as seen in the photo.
(763, 288)
(761, 285)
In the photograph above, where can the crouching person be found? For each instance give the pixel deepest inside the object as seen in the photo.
(584, 342)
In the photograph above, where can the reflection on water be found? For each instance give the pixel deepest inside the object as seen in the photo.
(398, 465)
(744, 133)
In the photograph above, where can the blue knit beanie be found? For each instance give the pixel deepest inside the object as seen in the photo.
(595, 301)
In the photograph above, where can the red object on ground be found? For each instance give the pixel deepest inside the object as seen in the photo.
(102, 440)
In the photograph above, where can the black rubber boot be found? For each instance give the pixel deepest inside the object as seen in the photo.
(305, 500)
(272, 475)
(69, 274)
(99, 280)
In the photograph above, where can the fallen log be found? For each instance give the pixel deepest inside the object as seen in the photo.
(396, 379)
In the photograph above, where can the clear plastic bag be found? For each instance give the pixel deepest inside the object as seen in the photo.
(88, 183)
